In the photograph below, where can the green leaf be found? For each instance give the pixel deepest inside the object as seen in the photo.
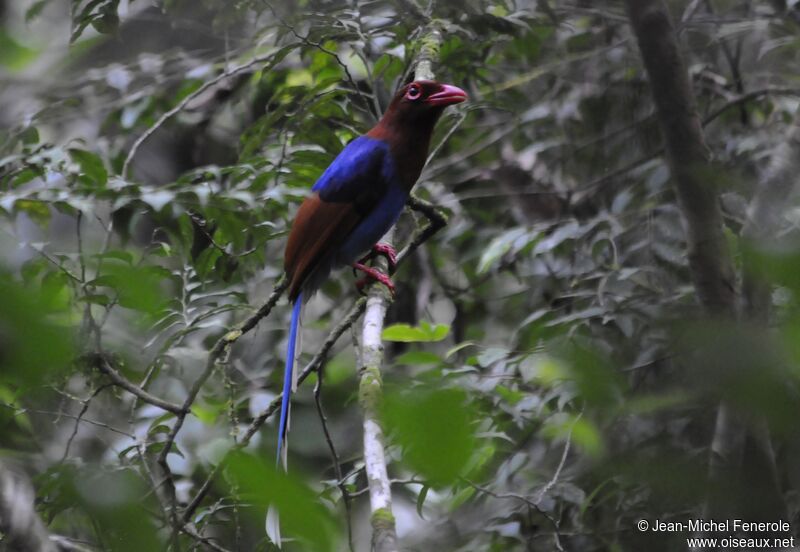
(511, 396)
(123, 256)
(32, 346)
(35, 10)
(302, 516)
(117, 510)
(39, 211)
(597, 379)
(491, 355)
(13, 55)
(453, 350)
(434, 429)
(91, 166)
(207, 414)
(423, 493)
(462, 497)
(29, 136)
(405, 333)
(96, 299)
(138, 288)
(157, 199)
(513, 240)
(415, 358)
(580, 430)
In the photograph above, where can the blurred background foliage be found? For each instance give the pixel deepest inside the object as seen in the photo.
(551, 378)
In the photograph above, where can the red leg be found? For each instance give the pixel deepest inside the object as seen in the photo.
(389, 252)
(373, 274)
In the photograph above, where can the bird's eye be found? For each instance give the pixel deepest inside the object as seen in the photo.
(413, 92)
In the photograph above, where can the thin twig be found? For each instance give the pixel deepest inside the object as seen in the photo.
(102, 363)
(189, 530)
(337, 467)
(167, 115)
(355, 312)
(752, 95)
(461, 117)
(58, 265)
(70, 416)
(412, 481)
(530, 503)
(220, 348)
(79, 418)
(306, 40)
(437, 219)
(563, 461)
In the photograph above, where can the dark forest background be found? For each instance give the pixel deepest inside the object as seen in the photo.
(606, 330)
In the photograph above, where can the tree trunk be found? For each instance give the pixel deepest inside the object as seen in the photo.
(22, 527)
(695, 185)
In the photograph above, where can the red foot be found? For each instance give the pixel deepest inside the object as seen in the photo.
(375, 275)
(389, 252)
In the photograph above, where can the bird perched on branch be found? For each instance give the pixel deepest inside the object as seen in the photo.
(355, 202)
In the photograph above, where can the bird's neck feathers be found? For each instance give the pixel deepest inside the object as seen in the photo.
(409, 139)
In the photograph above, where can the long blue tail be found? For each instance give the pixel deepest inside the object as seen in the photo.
(287, 376)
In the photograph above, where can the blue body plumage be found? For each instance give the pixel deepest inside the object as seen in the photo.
(365, 175)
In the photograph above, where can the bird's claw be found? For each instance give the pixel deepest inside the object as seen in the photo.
(387, 251)
(374, 275)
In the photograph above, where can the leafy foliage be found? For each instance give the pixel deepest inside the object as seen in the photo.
(552, 381)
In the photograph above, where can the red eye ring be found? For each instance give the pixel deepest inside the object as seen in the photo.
(413, 92)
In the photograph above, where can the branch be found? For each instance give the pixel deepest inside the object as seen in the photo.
(765, 214)
(220, 348)
(186, 101)
(384, 535)
(710, 261)
(19, 523)
(749, 96)
(79, 418)
(100, 361)
(337, 467)
(189, 530)
(355, 312)
(306, 40)
(550, 484)
(437, 219)
(687, 155)
(370, 393)
(534, 504)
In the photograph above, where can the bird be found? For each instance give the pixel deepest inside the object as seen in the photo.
(354, 203)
